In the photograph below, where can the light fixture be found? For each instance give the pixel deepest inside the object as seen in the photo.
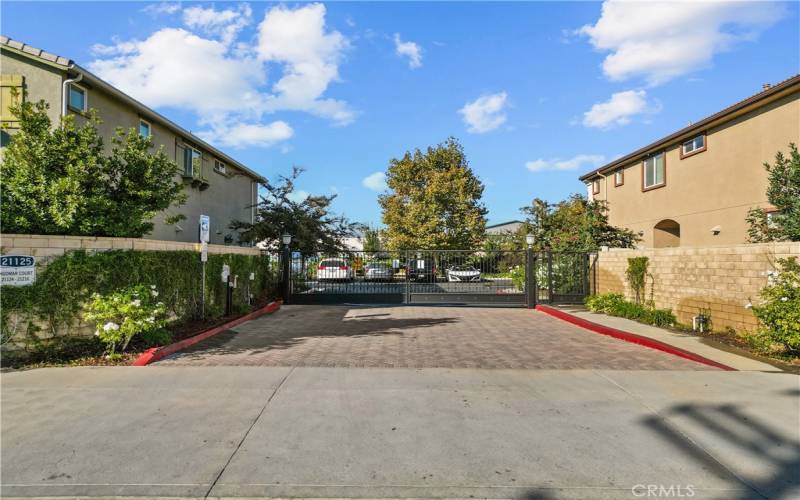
(286, 238)
(716, 230)
(530, 240)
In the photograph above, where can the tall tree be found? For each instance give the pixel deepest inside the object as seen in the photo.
(783, 193)
(310, 222)
(434, 200)
(574, 224)
(60, 180)
(372, 240)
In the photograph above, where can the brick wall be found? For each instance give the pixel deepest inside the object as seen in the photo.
(688, 280)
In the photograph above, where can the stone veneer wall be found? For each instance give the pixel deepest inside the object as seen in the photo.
(688, 280)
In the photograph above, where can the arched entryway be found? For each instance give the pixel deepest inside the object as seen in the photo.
(667, 233)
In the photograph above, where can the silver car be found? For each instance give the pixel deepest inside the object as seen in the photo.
(378, 271)
(463, 273)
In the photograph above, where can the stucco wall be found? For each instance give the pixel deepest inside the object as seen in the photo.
(227, 198)
(722, 279)
(712, 188)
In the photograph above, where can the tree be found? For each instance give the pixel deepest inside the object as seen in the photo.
(783, 193)
(574, 225)
(433, 200)
(59, 180)
(372, 240)
(314, 228)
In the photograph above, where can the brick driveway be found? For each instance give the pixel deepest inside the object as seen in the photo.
(421, 337)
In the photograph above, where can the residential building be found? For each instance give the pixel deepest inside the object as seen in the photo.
(694, 187)
(216, 184)
(503, 228)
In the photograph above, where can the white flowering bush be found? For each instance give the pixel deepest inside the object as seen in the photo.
(124, 314)
(779, 313)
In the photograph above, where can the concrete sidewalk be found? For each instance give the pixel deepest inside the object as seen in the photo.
(687, 342)
(371, 432)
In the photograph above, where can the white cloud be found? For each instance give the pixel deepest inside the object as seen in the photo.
(239, 135)
(162, 8)
(410, 50)
(310, 54)
(223, 23)
(659, 41)
(375, 182)
(619, 109)
(574, 163)
(484, 114)
(298, 196)
(204, 68)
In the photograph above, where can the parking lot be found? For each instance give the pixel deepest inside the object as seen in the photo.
(421, 337)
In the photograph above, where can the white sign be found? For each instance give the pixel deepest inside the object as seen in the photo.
(420, 264)
(205, 228)
(17, 270)
(226, 271)
(204, 252)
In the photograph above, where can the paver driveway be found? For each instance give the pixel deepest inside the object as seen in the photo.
(421, 337)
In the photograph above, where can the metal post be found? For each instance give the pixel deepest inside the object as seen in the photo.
(203, 293)
(550, 277)
(228, 297)
(286, 260)
(530, 279)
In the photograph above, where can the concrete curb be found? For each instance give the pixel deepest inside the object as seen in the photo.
(156, 353)
(631, 337)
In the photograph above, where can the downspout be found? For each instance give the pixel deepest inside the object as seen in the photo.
(64, 94)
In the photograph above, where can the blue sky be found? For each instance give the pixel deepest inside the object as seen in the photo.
(538, 93)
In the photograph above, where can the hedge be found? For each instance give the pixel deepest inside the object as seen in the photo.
(62, 288)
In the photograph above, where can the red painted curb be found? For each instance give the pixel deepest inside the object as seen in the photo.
(156, 353)
(631, 337)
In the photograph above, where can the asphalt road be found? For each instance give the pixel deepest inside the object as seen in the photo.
(370, 432)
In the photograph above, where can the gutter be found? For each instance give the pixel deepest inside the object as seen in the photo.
(64, 93)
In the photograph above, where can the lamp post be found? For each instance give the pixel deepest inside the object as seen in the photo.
(530, 272)
(286, 239)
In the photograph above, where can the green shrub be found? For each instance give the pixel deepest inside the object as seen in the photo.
(779, 314)
(63, 288)
(120, 316)
(155, 338)
(614, 304)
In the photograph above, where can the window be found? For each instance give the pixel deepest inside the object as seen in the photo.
(77, 98)
(144, 129)
(693, 146)
(653, 172)
(596, 186)
(192, 162)
(619, 177)
(219, 167)
(11, 87)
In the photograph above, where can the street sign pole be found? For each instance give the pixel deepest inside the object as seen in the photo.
(204, 230)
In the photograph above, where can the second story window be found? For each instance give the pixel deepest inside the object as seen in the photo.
(192, 162)
(596, 186)
(693, 146)
(78, 99)
(219, 167)
(653, 172)
(619, 177)
(144, 129)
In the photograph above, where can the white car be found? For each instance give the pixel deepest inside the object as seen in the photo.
(335, 270)
(463, 273)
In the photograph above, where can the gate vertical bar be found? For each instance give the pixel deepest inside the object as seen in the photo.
(407, 291)
(287, 266)
(550, 276)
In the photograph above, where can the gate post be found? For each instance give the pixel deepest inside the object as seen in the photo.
(287, 266)
(530, 277)
(550, 276)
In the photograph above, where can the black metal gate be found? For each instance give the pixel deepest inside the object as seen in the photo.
(469, 277)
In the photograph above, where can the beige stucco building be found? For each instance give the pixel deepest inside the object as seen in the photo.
(216, 185)
(695, 186)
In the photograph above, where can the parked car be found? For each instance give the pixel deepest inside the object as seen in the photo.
(335, 270)
(421, 269)
(378, 271)
(463, 273)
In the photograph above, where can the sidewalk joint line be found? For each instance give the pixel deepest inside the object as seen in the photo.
(247, 433)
